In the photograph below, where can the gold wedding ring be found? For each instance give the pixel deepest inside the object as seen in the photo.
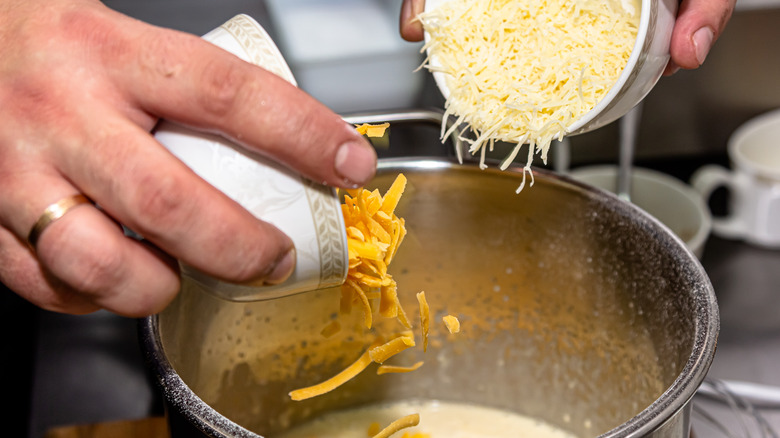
(54, 212)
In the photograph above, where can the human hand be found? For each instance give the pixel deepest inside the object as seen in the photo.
(698, 25)
(81, 86)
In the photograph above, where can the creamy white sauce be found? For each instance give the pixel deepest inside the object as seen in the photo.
(437, 419)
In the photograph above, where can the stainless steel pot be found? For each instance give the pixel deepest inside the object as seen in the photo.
(577, 308)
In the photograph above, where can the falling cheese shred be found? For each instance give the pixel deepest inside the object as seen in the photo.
(377, 352)
(399, 424)
(425, 318)
(416, 435)
(374, 429)
(522, 71)
(395, 369)
(334, 382)
(370, 130)
(331, 329)
(381, 353)
(452, 323)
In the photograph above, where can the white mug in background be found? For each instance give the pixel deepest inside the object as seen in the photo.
(308, 212)
(753, 183)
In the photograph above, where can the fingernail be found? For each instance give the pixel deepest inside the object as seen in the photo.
(355, 163)
(282, 269)
(702, 42)
(406, 11)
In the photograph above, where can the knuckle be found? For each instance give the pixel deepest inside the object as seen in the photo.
(237, 260)
(160, 205)
(247, 269)
(21, 273)
(93, 270)
(162, 54)
(257, 256)
(245, 259)
(100, 271)
(223, 86)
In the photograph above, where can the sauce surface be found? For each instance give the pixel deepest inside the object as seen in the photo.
(437, 420)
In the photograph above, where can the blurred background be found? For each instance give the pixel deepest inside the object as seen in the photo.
(347, 53)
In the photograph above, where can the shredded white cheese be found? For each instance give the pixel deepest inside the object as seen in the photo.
(522, 71)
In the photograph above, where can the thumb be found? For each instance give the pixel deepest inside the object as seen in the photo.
(699, 24)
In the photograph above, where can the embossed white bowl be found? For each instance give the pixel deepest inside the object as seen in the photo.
(308, 212)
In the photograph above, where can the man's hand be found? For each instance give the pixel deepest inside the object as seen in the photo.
(81, 86)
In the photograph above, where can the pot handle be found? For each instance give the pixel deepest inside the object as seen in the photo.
(432, 116)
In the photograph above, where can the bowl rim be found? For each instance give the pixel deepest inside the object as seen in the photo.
(770, 119)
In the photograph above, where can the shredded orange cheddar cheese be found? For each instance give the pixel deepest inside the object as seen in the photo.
(334, 382)
(372, 130)
(425, 318)
(381, 353)
(374, 429)
(374, 234)
(452, 323)
(331, 329)
(390, 369)
(359, 294)
(401, 423)
(416, 435)
(375, 353)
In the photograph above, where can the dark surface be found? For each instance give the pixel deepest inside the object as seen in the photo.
(88, 369)
(18, 322)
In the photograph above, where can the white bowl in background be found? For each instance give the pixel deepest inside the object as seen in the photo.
(671, 201)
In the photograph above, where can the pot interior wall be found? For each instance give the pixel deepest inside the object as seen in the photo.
(575, 309)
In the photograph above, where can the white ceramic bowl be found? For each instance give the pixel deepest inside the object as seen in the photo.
(645, 66)
(674, 203)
